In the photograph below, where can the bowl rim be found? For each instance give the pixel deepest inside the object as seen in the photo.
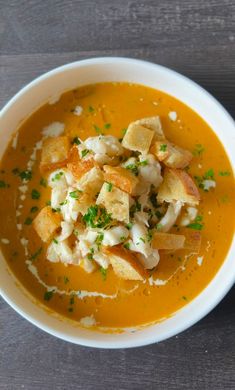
(199, 313)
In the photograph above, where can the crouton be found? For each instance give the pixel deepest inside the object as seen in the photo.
(168, 241)
(92, 181)
(125, 265)
(77, 166)
(138, 138)
(152, 123)
(178, 185)
(115, 201)
(47, 223)
(54, 153)
(121, 178)
(171, 155)
(84, 202)
(192, 240)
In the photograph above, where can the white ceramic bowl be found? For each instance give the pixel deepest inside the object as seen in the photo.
(118, 69)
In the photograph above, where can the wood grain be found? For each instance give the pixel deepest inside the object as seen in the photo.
(196, 38)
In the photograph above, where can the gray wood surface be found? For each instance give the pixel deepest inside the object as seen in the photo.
(195, 37)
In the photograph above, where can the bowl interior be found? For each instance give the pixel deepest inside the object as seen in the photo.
(117, 69)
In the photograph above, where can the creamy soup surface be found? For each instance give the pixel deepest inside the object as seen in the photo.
(101, 298)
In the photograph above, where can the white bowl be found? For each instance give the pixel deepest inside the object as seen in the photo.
(118, 69)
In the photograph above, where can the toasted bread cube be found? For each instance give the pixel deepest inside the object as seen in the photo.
(92, 181)
(125, 264)
(77, 166)
(172, 156)
(192, 240)
(115, 201)
(138, 138)
(153, 123)
(168, 241)
(178, 185)
(46, 223)
(54, 153)
(121, 178)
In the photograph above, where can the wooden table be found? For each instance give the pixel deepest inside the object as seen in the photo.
(195, 37)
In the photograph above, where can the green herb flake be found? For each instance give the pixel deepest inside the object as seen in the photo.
(99, 239)
(97, 129)
(198, 150)
(85, 152)
(107, 126)
(75, 194)
(28, 221)
(126, 245)
(109, 187)
(103, 272)
(57, 176)
(48, 203)
(35, 194)
(163, 148)
(36, 254)
(133, 168)
(97, 217)
(25, 175)
(64, 202)
(76, 141)
(142, 239)
(129, 225)
(55, 241)
(66, 279)
(43, 182)
(34, 209)
(91, 109)
(224, 173)
(48, 295)
(149, 235)
(159, 226)
(184, 298)
(15, 171)
(143, 163)
(195, 226)
(72, 301)
(124, 131)
(153, 200)
(3, 184)
(209, 174)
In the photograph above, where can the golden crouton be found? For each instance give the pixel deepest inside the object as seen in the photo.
(192, 240)
(121, 178)
(54, 153)
(84, 202)
(138, 138)
(171, 155)
(46, 223)
(92, 181)
(178, 185)
(115, 201)
(77, 166)
(125, 264)
(152, 123)
(168, 241)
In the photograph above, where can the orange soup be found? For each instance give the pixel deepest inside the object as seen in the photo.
(93, 294)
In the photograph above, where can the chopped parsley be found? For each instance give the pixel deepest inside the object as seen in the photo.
(91, 109)
(43, 182)
(66, 279)
(35, 194)
(163, 148)
(209, 174)
(224, 173)
(103, 272)
(133, 168)
(75, 194)
(76, 141)
(143, 163)
(142, 239)
(129, 225)
(97, 217)
(184, 298)
(158, 214)
(71, 301)
(109, 187)
(195, 226)
(90, 255)
(126, 245)
(26, 175)
(3, 184)
(64, 202)
(124, 131)
(149, 236)
(28, 221)
(107, 125)
(159, 226)
(48, 295)
(99, 239)
(85, 152)
(134, 208)
(97, 129)
(55, 241)
(48, 203)
(57, 176)
(198, 150)
(153, 200)
(36, 254)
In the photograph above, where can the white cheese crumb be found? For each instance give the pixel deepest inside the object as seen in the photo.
(23, 189)
(88, 321)
(208, 184)
(23, 241)
(22, 197)
(20, 206)
(157, 282)
(172, 115)
(18, 213)
(53, 130)
(200, 260)
(155, 103)
(77, 110)
(19, 226)
(15, 141)
(5, 241)
(200, 166)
